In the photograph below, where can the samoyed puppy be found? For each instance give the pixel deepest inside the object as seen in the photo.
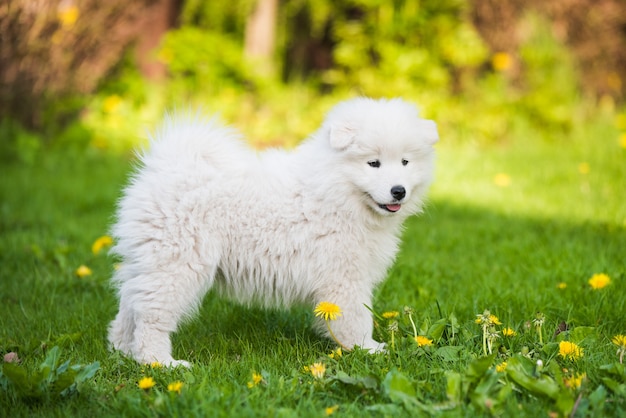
(319, 223)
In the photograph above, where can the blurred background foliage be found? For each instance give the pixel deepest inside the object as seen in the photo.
(87, 74)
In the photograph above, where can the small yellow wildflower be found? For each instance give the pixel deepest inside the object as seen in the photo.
(622, 140)
(327, 310)
(487, 318)
(175, 387)
(508, 332)
(146, 383)
(423, 341)
(620, 341)
(599, 281)
(500, 368)
(100, 243)
(583, 168)
(570, 350)
(156, 365)
(574, 382)
(561, 285)
(256, 379)
(331, 410)
(502, 180)
(317, 370)
(336, 353)
(83, 271)
(111, 103)
(501, 61)
(391, 315)
(68, 15)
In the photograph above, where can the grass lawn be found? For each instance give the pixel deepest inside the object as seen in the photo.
(516, 229)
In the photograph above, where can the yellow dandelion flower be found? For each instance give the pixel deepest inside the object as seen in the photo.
(256, 379)
(508, 332)
(156, 365)
(423, 341)
(146, 383)
(575, 381)
(68, 16)
(111, 103)
(502, 180)
(501, 61)
(619, 340)
(317, 370)
(570, 350)
(561, 285)
(175, 387)
(599, 281)
(331, 410)
(494, 320)
(83, 271)
(336, 353)
(583, 168)
(391, 315)
(327, 310)
(500, 368)
(100, 243)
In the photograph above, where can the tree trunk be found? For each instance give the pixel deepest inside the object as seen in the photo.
(261, 31)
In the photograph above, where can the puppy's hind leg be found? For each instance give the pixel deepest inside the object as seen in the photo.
(160, 301)
(122, 328)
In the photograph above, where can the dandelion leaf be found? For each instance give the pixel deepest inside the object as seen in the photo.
(398, 387)
(17, 376)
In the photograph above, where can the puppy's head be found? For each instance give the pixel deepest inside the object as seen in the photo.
(386, 151)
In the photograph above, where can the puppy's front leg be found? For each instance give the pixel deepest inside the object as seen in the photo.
(354, 326)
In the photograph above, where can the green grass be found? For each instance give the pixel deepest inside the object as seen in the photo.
(478, 246)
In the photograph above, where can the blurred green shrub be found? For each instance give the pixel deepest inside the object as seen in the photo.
(427, 51)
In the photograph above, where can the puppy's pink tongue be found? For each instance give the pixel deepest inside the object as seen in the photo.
(393, 208)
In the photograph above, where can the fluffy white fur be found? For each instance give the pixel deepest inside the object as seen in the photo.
(318, 223)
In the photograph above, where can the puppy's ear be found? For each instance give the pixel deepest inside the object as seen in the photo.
(428, 130)
(341, 136)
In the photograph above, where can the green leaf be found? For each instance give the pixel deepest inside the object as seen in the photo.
(49, 364)
(437, 329)
(479, 367)
(616, 370)
(87, 372)
(579, 334)
(398, 387)
(521, 371)
(541, 385)
(448, 353)
(453, 386)
(366, 382)
(17, 376)
(614, 386)
(597, 399)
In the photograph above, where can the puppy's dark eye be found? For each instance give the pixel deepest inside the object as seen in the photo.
(405, 162)
(374, 163)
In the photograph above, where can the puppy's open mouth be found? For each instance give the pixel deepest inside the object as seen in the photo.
(391, 208)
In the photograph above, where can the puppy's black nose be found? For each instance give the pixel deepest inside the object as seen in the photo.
(398, 192)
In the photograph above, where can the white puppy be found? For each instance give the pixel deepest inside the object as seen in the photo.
(319, 223)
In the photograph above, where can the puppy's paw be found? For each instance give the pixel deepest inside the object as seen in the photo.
(169, 363)
(374, 347)
(178, 363)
